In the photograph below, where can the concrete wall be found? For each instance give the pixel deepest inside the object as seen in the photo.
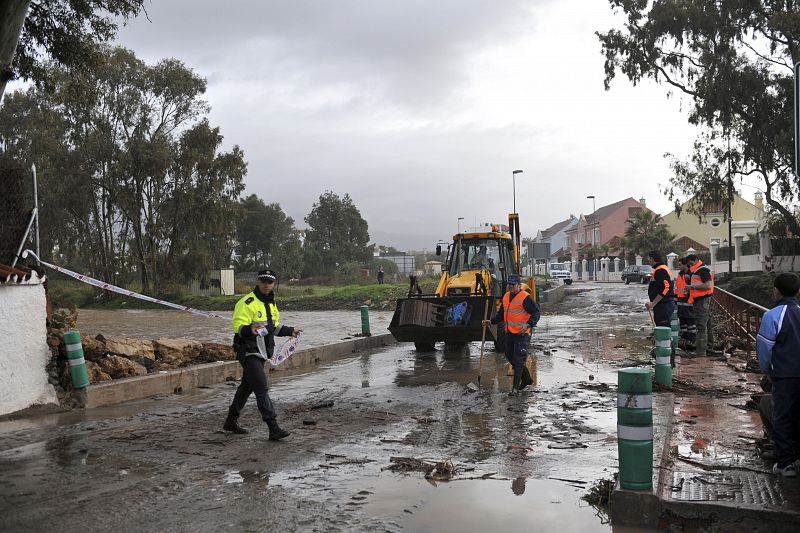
(23, 348)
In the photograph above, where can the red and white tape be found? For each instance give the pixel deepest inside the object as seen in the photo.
(119, 290)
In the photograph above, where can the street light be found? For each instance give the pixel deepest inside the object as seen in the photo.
(514, 183)
(594, 241)
(459, 223)
(594, 218)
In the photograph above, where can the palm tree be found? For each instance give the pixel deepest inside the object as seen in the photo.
(646, 231)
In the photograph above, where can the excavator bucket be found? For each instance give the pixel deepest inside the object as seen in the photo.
(454, 319)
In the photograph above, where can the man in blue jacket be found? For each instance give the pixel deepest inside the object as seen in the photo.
(778, 347)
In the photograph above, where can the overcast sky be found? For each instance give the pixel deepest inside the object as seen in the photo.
(420, 110)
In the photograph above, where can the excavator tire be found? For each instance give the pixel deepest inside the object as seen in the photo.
(425, 346)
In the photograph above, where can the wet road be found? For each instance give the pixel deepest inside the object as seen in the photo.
(522, 463)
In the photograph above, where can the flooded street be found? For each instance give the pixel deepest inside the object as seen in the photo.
(521, 462)
(319, 327)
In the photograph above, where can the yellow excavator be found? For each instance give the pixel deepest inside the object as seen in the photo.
(472, 285)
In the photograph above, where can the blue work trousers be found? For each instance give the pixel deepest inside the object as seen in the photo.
(785, 418)
(517, 349)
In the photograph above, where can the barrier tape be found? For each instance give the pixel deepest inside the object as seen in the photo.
(113, 288)
(285, 352)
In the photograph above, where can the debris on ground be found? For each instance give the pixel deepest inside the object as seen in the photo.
(409, 464)
(599, 497)
(321, 405)
(686, 387)
(442, 471)
(599, 387)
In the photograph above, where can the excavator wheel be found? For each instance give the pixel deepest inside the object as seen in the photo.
(425, 346)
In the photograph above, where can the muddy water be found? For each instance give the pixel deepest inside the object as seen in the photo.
(165, 463)
(319, 327)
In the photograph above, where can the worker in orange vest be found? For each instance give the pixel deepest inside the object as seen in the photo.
(701, 288)
(688, 330)
(520, 314)
(659, 291)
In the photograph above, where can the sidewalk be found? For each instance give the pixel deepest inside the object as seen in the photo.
(710, 477)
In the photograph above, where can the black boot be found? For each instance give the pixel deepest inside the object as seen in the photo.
(526, 378)
(275, 431)
(515, 386)
(232, 424)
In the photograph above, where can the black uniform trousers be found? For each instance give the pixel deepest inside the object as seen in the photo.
(254, 380)
(662, 312)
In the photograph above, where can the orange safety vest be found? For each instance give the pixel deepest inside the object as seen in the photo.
(514, 314)
(681, 289)
(667, 284)
(694, 294)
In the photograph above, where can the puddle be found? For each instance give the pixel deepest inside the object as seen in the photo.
(415, 504)
(245, 476)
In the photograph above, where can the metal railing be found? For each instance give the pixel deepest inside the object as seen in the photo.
(745, 314)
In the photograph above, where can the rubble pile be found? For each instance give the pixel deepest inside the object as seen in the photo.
(121, 357)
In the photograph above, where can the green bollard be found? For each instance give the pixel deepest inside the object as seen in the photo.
(635, 428)
(663, 337)
(365, 321)
(77, 364)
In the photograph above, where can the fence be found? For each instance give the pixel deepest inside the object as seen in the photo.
(744, 314)
(16, 204)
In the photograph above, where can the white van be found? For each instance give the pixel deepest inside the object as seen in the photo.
(561, 271)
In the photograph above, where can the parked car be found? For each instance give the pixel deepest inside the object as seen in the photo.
(640, 273)
(561, 271)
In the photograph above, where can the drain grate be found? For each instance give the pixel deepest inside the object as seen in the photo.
(751, 488)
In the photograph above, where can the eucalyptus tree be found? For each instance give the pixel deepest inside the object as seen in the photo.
(64, 31)
(732, 61)
(133, 176)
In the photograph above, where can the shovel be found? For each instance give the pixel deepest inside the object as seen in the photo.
(483, 338)
(652, 318)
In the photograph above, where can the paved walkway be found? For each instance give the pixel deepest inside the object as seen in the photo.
(711, 477)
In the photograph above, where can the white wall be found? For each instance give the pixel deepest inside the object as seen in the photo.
(23, 348)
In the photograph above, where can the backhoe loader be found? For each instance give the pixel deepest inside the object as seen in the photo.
(472, 285)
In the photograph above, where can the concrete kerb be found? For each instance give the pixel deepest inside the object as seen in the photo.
(184, 379)
(643, 507)
(554, 295)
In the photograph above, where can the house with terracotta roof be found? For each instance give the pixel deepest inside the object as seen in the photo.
(605, 226)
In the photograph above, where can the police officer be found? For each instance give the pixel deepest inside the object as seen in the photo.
(256, 321)
(520, 314)
(659, 291)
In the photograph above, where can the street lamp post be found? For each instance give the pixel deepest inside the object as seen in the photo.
(594, 240)
(514, 184)
(459, 223)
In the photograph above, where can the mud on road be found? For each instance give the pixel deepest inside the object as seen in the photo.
(164, 464)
